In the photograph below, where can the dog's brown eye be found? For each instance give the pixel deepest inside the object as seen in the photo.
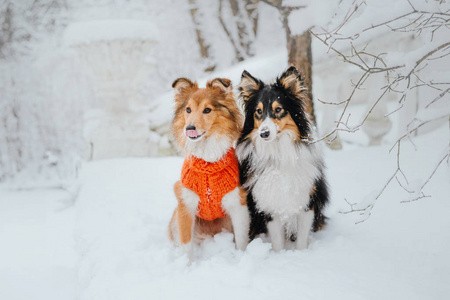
(207, 110)
(278, 109)
(188, 110)
(259, 111)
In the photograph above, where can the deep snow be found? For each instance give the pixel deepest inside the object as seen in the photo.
(120, 235)
(37, 256)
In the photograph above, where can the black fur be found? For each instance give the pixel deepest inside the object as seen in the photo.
(292, 104)
(318, 201)
(267, 94)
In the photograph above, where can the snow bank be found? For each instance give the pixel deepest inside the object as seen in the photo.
(400, 252)
(108, 30)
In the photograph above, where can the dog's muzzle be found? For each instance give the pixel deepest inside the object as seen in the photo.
(268, 130)
(264, 132)
(192, 133)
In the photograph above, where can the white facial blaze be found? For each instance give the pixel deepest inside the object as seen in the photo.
(268, 126)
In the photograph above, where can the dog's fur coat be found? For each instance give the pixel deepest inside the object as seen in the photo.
(282, 173)
(206, 124)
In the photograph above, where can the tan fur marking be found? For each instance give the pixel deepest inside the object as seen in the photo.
(243, 196)
(292, 83)
(185, 220)
(287, 123)
(221, 83)
(182, 85)
(247, 85)
(204, 228)
(313, 190)
(321, 226)
(184, 217)
(274, 105)
(171, 237)
(177, 189)
(258, 121)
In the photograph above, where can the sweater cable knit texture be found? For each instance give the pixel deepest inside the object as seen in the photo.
(211, 181)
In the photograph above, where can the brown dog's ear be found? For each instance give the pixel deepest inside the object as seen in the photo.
(182, 84)
(248, 85)
(292, 81)
(222, 83)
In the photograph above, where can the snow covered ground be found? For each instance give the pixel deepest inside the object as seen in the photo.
(118, 229)
(37, 256)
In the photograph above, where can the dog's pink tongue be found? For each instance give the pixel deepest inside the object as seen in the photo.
(191, 133)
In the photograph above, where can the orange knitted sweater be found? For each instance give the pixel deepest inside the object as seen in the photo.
(211, 181)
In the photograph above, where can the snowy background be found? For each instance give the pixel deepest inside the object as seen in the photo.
(83, 214)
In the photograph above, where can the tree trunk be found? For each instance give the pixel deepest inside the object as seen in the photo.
(204, 48)
(252, 12)
(300, 56)
(246, 19)
(241, 30)
(299, 51)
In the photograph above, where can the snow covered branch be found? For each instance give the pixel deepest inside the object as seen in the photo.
(405, 72)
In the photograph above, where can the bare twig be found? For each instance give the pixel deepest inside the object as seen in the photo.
(417, 127)
(438, 97)
(399, 80)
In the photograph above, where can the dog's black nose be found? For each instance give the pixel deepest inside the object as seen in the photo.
(265, 134)
(190, 127)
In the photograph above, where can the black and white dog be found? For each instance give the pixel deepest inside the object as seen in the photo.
(282, 172)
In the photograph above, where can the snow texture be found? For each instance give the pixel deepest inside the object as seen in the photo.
(109, 30)
(118, 227)
(315, 13)
(37, 254)
(125, 205)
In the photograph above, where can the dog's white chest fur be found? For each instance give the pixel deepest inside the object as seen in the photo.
(283, 175)
(282, 192)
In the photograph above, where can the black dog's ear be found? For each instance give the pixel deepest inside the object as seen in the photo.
(222, 83)
(182, 84)
(248, 85)
(292, 81)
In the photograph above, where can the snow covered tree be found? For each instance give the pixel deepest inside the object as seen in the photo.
(236, 20)
(39, 108)
(298, 46)
(241, 28)
(204, 47)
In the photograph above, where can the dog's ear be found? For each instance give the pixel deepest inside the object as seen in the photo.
(248, 85)
(222, 83)
(182, 84)
(292, 81)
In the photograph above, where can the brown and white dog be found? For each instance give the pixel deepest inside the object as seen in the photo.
(206, 125)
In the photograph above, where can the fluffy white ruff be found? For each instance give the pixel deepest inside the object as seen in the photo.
(282, 174)
(210, 149)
